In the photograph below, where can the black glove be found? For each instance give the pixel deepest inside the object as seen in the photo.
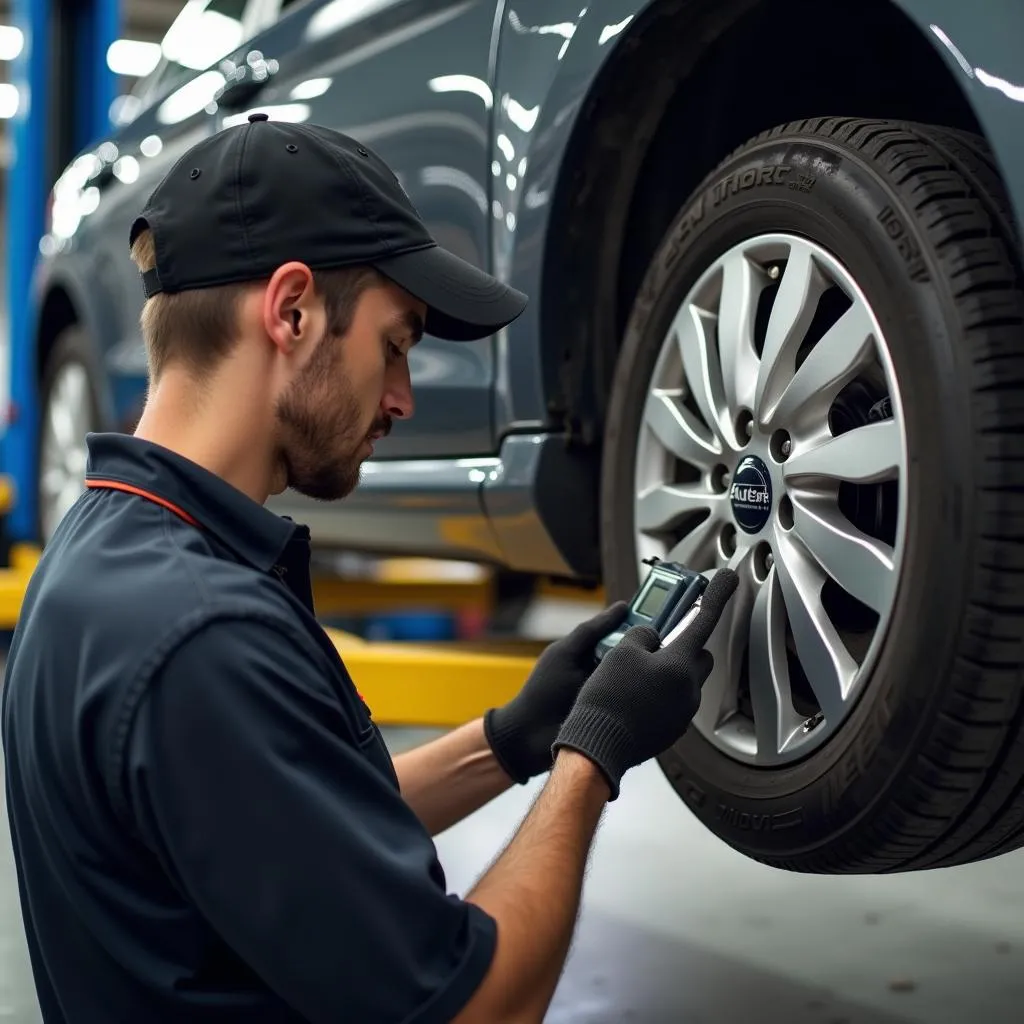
(641, 698)
(521, 732)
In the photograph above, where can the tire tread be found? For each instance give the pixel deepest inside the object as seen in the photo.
(962, 798)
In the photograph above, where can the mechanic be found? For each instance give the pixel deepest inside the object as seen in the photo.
(207, 825)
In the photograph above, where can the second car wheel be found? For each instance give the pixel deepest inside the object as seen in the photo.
(822, 385)
(68, 410)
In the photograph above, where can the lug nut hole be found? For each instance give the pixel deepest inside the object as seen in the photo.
(763, 561)
(781, 446)
(744, 426)
(727, 541)
(785, 512)
(720, 479)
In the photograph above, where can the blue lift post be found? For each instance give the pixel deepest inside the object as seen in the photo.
(57, 117)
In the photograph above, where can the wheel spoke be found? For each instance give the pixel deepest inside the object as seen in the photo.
(741, 282)
(694, 329)
(72, 392)
(63, 454)
(861, 565)
(863, 455)
(698, 550)
(781, 643)
(795, 304)
(829, 668)
(51, 482)
(775, 719)
(726, 645)
(678, 430)
(660, 508)
(61, 425)
(828, 368)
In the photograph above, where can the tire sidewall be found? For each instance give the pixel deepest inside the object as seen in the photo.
(828, 194)
(71, 346)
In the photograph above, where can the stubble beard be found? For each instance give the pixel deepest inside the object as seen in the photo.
(320, 428)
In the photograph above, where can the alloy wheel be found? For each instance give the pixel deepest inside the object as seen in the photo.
(773, 442)
(63, 453)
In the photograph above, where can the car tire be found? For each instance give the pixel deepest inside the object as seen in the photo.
(919, 762)
(68, 410)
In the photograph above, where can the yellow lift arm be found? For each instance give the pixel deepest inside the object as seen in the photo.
(403, 683)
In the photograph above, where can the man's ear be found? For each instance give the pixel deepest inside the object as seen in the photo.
(292, 312)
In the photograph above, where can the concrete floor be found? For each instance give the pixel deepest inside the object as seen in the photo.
(677, 929)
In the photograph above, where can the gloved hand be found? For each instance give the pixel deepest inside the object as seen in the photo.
(521, 732)
(642, 697)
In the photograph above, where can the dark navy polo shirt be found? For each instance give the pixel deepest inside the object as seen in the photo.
(207, 825)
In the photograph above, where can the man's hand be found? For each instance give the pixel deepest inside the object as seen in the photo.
(521, 732)
(642, 696)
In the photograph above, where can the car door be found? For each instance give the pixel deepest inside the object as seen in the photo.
(166, 114)
(408, 78)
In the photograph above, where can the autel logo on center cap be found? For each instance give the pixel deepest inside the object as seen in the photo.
(751, 494)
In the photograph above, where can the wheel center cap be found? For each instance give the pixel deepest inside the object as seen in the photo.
(751, 494)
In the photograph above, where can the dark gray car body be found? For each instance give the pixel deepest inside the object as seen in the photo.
(550, 142)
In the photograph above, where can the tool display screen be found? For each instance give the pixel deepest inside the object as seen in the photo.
(653, 600)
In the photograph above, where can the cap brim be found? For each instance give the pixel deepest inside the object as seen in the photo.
(463, 303)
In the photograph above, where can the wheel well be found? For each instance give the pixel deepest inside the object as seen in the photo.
(58, 313)
(694, 80)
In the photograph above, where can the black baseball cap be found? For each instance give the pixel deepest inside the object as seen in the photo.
(262, 193)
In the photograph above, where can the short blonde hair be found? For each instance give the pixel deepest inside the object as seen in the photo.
(199, 327)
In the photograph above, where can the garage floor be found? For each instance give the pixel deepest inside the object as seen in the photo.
(677, 929)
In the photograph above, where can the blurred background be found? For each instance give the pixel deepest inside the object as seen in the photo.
(133, 55)
(675, 920)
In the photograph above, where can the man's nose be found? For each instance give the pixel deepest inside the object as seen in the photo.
(397, 400)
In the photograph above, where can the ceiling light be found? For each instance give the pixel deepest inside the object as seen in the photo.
(8, 100)
(132, 57)
(11, 42)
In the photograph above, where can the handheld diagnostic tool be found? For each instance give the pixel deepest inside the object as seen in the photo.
(667, 601)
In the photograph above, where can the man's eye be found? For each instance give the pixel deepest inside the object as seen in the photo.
(394, 351)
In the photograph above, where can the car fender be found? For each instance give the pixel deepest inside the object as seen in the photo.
(93, 313)
(551, 54)
(988, 66)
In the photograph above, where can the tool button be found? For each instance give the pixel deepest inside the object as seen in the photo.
(258, 116)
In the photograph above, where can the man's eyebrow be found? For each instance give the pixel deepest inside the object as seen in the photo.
(412, 322)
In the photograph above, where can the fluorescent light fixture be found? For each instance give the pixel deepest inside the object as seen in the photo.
(1008, 89)
(462, 83)
(200, 37)
(954, 50)
(11, 42)
(132, 57)
(611, 31)
(310, 89)
(125, 108)
(192, 97)
(126, 169)
(151, 145)
(522, 117)
(8, 100)
(89, 202)
(338, 14)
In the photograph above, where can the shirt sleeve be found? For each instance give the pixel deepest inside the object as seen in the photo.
(244, 773)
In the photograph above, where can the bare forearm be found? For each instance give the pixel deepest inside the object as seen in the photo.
(450, 777)
(533, 892)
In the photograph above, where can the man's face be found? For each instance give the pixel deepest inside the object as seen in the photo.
(347, 394)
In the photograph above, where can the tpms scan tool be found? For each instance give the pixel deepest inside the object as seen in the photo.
(668, 601)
